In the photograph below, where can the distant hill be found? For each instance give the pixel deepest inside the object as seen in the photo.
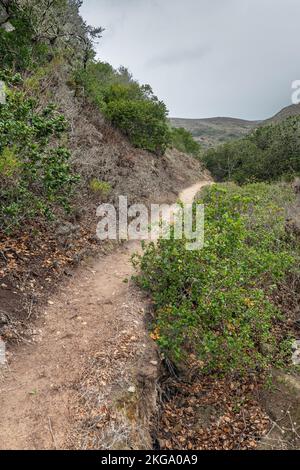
(215, 131)
(211, 132)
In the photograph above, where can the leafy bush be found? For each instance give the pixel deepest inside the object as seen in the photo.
(130, 107)
(95, 80)
(268, 154)
(183, 141)
(18, 50)
(34, 169)
(41, 29)
(143, 122)
(215, 303)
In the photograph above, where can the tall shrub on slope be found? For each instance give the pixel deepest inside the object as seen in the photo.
(131, 107)
(183, 141)
(268, 154)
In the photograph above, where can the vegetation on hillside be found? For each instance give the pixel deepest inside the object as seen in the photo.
(215, 304)
(183, 141)
(130, 107)
(42, 35)
(41, 28)
(35, 174)
(212, 132)
(267, 154)
(133, 108)
(36, 178)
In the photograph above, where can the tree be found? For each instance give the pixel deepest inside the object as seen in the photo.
(269, 153)
(55, 23)
(183, 141)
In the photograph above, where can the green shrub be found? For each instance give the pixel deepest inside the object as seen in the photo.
(94, 80)
(269, 153)
(130, 107)
(18, 49)
(34, 169)
(183, 141)
(100, 187)
(215, 303)
(143, 122)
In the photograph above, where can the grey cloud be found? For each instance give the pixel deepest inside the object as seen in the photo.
(172, 57)
(205, 57)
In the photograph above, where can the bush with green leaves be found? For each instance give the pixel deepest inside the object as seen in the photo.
(18, 50)
(215, 303)
(143, 122)
(131, 107)
(183, 141)
(34, 167)
(269, 153)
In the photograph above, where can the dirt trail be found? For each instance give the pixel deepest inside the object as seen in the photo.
(96, 317)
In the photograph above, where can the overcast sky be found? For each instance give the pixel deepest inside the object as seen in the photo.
(205, 58)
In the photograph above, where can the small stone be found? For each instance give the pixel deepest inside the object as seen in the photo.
(50, 302)
(3, 319)
(8, 27)
(132, 389)
(296, 353)
(296, 358)
(154, 363)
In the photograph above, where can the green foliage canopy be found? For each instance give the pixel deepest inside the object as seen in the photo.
(131, 107)
(268, 154)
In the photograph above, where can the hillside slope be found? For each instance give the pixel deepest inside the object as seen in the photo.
(215, 131)
(31, 266)
(288, 111)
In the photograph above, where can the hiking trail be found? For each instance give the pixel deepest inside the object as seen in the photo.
(93, 327)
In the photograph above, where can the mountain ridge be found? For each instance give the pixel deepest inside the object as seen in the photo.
(210, 132)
